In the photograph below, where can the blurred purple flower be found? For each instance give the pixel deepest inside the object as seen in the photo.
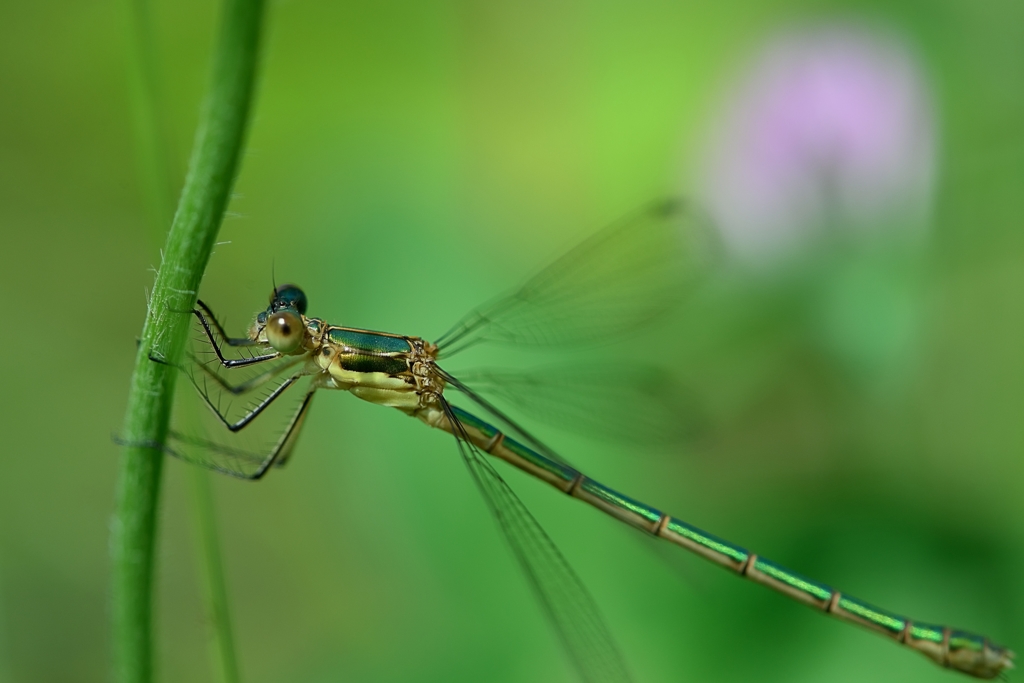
(832, 128)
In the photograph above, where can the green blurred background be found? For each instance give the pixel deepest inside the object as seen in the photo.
(408, 160)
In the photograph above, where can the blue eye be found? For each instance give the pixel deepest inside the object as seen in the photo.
(289, 296)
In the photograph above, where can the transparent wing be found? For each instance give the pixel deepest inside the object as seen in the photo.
(567, 604)
(624, 275)
(638, 404)
(601, 395)
(238, 421)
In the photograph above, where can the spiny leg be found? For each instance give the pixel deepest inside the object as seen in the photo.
(234, 389)
(217, 453)
(252, 382)
(215, 324)
(253, 412)
(287, 444)
(231, 362)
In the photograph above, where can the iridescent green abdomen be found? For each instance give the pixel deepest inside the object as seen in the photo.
(966, 652)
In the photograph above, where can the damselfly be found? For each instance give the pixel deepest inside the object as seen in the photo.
(615, 280)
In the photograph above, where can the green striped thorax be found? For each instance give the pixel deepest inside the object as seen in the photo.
(382, 368)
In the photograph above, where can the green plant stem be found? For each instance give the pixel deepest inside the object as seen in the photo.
(153, 157)
(211, 174)
(222, 644)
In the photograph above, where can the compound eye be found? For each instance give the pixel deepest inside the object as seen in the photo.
(284, 331)
(289, 296)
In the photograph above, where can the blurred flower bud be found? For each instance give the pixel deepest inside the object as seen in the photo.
(830, 130)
